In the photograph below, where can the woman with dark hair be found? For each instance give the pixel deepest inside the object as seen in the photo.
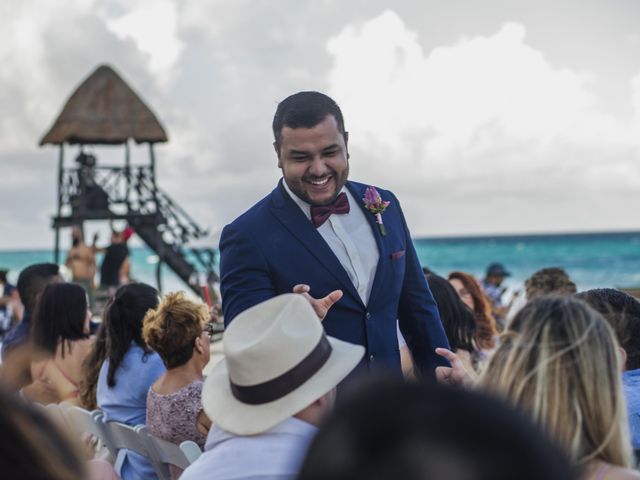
(92, 365)
(60, 335)
(33, 448)
(457, 319)
(130, 367)
(472, 295)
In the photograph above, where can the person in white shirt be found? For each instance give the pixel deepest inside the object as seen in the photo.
(273, 389)
(344, 245)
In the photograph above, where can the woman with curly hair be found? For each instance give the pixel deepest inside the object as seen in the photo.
(180, 332)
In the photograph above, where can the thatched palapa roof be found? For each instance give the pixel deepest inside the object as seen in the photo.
(105, 110)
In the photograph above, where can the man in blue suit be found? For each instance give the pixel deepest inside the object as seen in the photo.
(343, 245)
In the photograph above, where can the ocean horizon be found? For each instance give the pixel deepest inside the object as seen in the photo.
(593, 260)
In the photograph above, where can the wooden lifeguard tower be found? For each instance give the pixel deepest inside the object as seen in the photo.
(104, 110)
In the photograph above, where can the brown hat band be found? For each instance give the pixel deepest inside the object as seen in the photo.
(287, 382)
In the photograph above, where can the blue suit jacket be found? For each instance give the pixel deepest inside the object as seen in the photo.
(273, 246)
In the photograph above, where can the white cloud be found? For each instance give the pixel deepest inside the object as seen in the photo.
(466, 128)
(462, 117)
(153, 27)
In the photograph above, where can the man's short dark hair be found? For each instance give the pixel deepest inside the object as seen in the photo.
(305, 110)
(396, 429)
(622, 311)
(32, 280)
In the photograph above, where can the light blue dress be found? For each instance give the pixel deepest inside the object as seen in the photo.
(126, 401)
(631, 385)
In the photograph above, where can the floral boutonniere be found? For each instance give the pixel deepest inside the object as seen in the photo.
(374, 203)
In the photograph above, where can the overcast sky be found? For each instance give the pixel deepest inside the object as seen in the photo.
(482, 116)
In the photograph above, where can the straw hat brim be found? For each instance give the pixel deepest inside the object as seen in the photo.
(231, 415)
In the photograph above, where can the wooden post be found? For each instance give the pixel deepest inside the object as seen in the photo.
(159, 275)
(127, 171)
(152, 157)
(56, 248)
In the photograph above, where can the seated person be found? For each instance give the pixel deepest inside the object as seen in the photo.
(178, 330)
(559, 363)
(273, 389)
(16, 345)
(10, 306)
(424, 432)
(549, 281)
(622, 311)
(458, 321)
(130, 368)
(61, 341)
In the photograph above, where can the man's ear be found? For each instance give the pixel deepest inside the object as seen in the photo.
(275, 147)
(623, 358)
(346, 143)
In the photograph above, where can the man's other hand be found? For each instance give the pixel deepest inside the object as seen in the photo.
(320, 305)
(457, 374)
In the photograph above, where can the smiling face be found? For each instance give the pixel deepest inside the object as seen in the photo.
(314, 161)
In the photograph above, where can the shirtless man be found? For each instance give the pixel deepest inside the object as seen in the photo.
(81, 260)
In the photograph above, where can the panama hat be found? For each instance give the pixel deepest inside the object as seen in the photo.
(277, 361)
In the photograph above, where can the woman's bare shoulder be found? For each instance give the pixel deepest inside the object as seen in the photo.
(621, 473)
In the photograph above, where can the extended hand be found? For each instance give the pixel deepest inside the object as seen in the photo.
(456, 374)
(320, 305)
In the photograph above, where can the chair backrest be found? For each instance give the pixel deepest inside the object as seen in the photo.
(54, 412)
(121, 436)
(167, 453)
(84, 421)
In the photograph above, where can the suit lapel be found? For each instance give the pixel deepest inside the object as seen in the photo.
(358, 193)
(294, 220)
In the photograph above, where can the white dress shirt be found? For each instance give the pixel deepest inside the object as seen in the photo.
(351, 240)
(276, 454)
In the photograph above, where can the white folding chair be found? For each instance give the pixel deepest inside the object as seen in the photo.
(166, 453)
(83, 422)
(53, 412)
(121, 437)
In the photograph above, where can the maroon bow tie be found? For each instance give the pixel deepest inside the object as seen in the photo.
(320, 213)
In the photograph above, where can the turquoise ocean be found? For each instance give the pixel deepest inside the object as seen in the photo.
(592, 260)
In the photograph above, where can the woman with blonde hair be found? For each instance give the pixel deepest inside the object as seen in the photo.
(180, 332)
(559, 362)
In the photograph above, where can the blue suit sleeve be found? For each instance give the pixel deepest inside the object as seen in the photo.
(418, 315)
(244, 273)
